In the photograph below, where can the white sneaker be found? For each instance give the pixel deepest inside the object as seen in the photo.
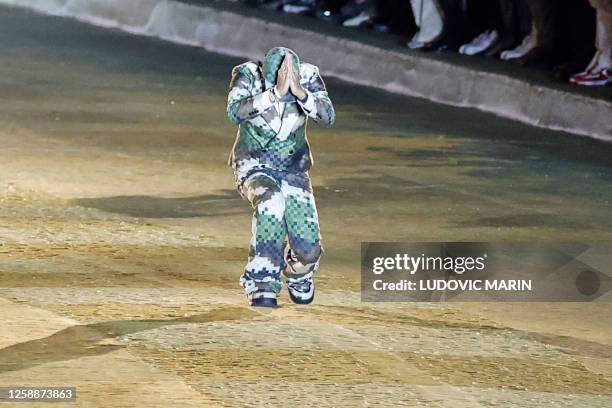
(258, 297)
(414, 43)
(480, 44)
(262, 299)
(301, 290)
(295, 8)
(527, 45)
(357, 20)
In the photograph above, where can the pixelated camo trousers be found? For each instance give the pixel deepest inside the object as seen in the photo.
(286, 237)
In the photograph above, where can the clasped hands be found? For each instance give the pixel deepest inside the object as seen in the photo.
(288, 81)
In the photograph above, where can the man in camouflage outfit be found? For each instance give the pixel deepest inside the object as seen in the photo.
(271, 101)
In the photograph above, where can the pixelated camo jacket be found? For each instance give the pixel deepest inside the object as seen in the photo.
(268, 139)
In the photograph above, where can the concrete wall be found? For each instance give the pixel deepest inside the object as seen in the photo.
(405, 73)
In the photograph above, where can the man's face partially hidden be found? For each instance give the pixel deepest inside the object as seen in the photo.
(273, 60)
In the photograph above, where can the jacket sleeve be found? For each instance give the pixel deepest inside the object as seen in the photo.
(241, 105)
(317, 104)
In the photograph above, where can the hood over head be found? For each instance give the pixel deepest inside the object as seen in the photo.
(272, 62)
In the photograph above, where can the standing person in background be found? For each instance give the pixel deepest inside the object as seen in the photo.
(271, 102)
(575, 43)
(499, 21)
(599, 70)
(430, 19)
(539, 43)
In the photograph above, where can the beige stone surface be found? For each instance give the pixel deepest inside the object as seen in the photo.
(122, 240)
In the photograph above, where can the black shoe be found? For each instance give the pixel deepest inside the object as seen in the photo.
(260, 297)
(263, 302)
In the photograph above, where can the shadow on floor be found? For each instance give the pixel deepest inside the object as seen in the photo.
(84, 340)
(227, 202)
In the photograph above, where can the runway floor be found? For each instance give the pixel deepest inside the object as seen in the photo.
(122, 240)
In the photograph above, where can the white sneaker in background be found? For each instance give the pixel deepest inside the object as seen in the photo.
(357, 20)
(295, 9)
(480, 44)
(527, 45)
(414, 43)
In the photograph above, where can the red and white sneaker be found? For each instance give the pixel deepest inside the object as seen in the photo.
(598, 78)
